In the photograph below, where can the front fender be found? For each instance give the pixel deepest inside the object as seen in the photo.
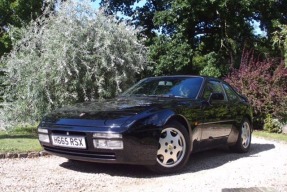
(149, 125)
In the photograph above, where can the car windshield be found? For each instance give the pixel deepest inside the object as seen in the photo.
(183, 87)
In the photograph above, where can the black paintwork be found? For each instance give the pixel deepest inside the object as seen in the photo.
(210, 123)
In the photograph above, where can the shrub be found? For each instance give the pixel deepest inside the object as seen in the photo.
(72, 55)
(264, 82)
(272, 125)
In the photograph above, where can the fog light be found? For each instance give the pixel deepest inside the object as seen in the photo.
(44, 138)
(108, 144)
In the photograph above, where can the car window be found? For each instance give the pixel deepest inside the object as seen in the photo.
(185, 87)
(232, 96)
(212, 87)
(188, 88)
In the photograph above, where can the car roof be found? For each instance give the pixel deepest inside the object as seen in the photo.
(182, 76)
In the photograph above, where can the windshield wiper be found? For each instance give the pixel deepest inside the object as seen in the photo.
(166, 96)
(145, 95)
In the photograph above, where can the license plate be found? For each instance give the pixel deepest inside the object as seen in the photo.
(69, 141)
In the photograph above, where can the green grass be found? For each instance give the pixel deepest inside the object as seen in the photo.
(271, 136)
(19, 140)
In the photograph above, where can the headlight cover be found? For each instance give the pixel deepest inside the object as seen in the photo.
(41, 130)
(108, 144)
(108, 135)
(43, 135)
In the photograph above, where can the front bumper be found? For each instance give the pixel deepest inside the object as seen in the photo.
(139, 148)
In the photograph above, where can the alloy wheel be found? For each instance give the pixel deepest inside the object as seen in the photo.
(172, 147)
(245, 134)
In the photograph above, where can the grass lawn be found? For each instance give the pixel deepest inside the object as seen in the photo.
(19, 140)
(270, 136)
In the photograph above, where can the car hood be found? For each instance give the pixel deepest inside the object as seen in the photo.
(106, 113)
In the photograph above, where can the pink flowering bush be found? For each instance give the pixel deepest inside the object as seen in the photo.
(264, 82)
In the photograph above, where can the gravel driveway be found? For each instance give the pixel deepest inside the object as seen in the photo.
(265, 166)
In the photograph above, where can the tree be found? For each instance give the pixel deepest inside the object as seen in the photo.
(280, 40)
(73, 55)
(178, 31)
(16, 13)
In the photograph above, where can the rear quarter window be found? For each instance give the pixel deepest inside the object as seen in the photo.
(231, 94)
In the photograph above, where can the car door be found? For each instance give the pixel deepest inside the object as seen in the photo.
(216, 125)
(236, 109)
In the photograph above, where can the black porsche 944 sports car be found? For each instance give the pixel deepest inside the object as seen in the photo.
(158, 123)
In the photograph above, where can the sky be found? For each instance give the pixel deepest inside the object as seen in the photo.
(96, 4)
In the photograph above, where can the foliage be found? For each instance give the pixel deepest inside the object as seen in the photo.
(1, 84)
(264, 83)
(16, 13)
(211, 69)
(171, 56)
(272, 125)
(74, 55)
(280, 39)
(177, 30)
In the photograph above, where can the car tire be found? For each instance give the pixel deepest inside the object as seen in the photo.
(243, 142)
(174, 149)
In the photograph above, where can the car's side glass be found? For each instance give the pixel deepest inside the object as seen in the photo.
(232, 96)
(212, 87)
(188, 88)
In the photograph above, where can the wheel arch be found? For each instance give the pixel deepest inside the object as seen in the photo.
(175, 123)
(181, 119)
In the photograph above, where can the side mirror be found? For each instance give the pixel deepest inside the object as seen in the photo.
(216, 97)
(244, 98)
